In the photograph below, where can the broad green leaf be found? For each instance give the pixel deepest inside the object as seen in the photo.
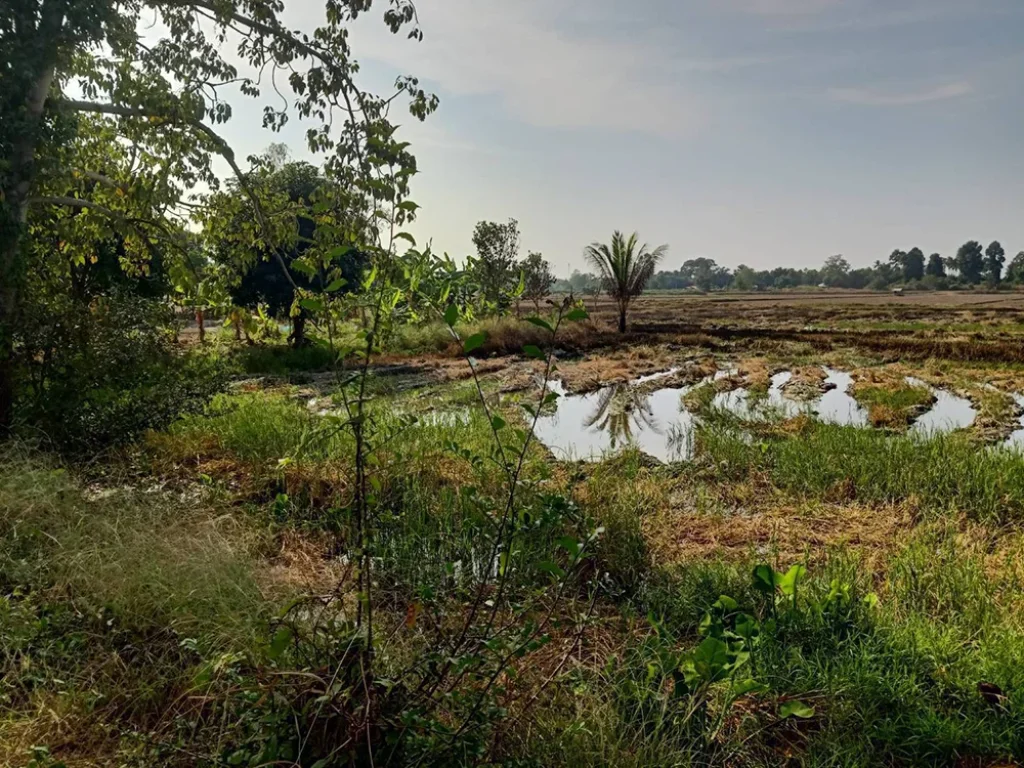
(304, 267)
(313, 305)
(475, 342)
(279, 643)
(532, 350)
(338, 251)
(711, 659)
(406, 236)
(796, 708)
(726, 603)
(789, 581)
(408, 205)
(550, 567)
(577, 314)
(541, 323)
(497, 423)
(764, 579)
(570, 545)
(336, 285)
(451, 314)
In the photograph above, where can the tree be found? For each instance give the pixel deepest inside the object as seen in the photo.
(745, 278)
(835, 270)
(936, 267)
(625, 268)
(302, 196)
(913, 265)
(1015, 272)
(537, 278)
(160, 99)
(995, 257)
(970, 262)
(705, 273)
(497, 249)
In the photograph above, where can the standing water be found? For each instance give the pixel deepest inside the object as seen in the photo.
(591, 425)
(1016, 440)
(950, 411)
(837, 405)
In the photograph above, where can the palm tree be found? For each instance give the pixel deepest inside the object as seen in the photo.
(625, 268)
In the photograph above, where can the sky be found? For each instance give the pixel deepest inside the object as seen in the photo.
(759, 132)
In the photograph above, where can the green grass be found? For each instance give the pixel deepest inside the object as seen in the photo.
(118, 600)
(282, 359)
(897, 398)
(892, 684)
(944, 472)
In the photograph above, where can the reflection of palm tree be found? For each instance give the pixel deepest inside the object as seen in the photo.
(620, 408)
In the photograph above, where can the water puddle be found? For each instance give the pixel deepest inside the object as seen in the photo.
(1016, 440)
(739, 402)
(950, 411)
(591, 425)
(655, 376)
(837, 405)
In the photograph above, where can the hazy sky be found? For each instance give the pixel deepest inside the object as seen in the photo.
(765, 132)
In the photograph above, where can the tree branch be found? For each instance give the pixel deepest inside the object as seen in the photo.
(223, 149)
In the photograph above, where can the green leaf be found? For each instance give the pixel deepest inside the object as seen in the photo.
(570, 545)
(313, 305)
(304, 267)
(497, 423)
(789, 582)
(406, 236)
(279, 643)
(711, 659)
(577, 314)
(764, 579)
(408, 205)
(541, 323)
(726, 603)
(451, 314)
(532, 350)
(553, 568)
(338, 251)
(743, 687)
(336, 285)
(475, 342)
(796, 708)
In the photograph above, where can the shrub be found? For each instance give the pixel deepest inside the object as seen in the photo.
(101, 374)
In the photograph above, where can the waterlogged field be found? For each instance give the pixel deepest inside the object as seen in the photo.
(806, 518)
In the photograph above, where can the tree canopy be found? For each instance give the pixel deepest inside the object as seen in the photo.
(116, 122)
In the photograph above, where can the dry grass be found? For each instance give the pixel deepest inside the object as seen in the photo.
(754, 524)
(807, 383)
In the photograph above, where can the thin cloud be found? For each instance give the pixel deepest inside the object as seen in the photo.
(785, 7)
(876, 98)
(545, 76)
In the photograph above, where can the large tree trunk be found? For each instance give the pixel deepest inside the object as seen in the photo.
(201, 324)
(14, 197)
(622, 318)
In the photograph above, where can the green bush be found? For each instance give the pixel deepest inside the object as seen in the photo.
(99, 375)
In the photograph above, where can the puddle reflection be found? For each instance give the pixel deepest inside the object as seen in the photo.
(949, 412)
(591, 425)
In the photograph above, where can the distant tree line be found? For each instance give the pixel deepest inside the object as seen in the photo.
(973, 265)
